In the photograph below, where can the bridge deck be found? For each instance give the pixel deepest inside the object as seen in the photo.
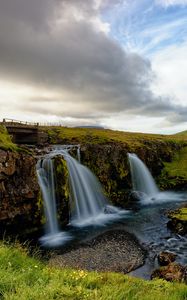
(22, 132)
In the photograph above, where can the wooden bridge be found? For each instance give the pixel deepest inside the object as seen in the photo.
(22, 132)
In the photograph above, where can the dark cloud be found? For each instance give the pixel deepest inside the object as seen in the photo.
(61, 46)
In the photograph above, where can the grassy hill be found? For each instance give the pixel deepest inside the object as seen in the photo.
(93, 135)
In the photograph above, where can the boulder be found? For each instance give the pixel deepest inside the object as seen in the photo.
(171, 272)
(165, 258)
(178, 220)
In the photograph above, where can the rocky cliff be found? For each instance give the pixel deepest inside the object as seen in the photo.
(19, 190)
(20, 200)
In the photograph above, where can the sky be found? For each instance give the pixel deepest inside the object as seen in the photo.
(120, 64)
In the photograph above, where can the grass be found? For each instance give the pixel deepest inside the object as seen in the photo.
(174, 173)
(99, 136)
(5, 140)
(178, 167)
(23, 277)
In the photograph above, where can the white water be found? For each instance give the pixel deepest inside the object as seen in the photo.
(143, 181)
(88, 203)
(45, 173)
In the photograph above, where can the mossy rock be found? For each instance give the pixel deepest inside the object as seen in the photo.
(178, 220)
(62, 189)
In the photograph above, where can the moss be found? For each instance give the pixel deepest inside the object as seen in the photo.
(174, 173)
(62, 188)
(178, 220)
(5, 140)
(40, 209)
(179, 214)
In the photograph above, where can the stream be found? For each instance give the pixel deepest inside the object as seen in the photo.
(91, 213)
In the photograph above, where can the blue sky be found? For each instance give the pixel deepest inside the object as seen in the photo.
(146, 26)
(120, 64)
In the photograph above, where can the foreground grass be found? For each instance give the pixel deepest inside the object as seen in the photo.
(5, 140)
(23, 277)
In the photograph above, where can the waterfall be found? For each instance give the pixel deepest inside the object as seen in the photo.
(78, 154)
(88, 205)
(45, 173)
(87, 199)
(142, 179)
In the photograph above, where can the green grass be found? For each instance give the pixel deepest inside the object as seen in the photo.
(23, 277)
(178, 167)
(95, 136)
(174, 173)
(5, 140)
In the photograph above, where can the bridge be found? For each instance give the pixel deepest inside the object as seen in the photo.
(22, 132)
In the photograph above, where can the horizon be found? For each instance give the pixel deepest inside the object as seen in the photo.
(116, 64)
(49, 124)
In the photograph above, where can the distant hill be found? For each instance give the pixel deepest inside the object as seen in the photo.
(89, 126)
(182, 133)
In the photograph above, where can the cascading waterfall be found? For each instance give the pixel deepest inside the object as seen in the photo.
(142, 179)
(45, 173)
(88, 203)
(78, 154)
(87, 200)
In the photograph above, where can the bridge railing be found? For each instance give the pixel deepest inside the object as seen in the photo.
(13, 122)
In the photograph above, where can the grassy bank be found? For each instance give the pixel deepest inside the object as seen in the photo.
(93, 135)
(23, 277)
(5, 140)
(175, 172)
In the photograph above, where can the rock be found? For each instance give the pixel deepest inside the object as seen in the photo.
(19, 191)
(171, 272)
(134, 199)
(165, 258)
(115, 250)
(178, 220)
(136, 196)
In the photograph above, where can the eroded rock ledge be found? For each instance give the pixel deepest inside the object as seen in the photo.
(20, 200)
(19, 190)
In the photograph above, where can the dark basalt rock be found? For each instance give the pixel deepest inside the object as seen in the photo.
(19, 191)
(165, 258)
(178, 221)
(171, 272)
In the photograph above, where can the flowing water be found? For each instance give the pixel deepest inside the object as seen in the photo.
(88, 205)
(142, 180)
(144, 183)
(91, 213)
(45, 173)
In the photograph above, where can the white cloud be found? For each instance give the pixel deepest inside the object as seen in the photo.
(170, 65)
(167, 3)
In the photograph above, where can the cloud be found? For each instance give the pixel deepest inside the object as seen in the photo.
(63, 50)
(167, 3)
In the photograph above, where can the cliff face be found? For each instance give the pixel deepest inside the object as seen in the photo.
(110, 164)
(19, 190)
(20, 199)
